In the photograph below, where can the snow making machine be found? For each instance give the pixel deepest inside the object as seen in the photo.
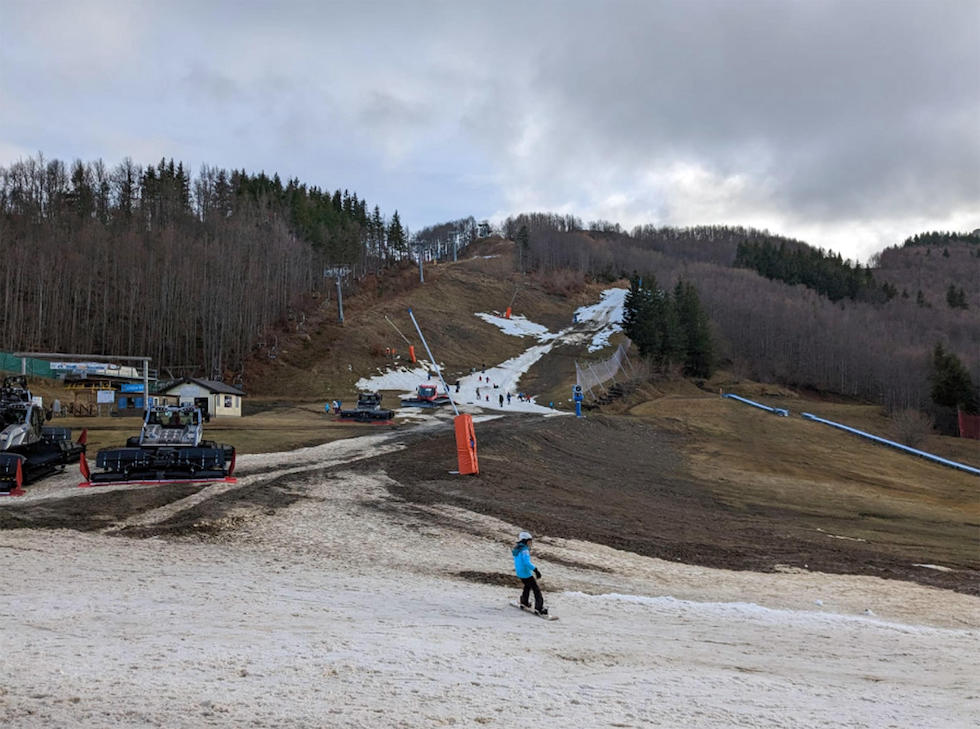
(368, 410)
(30, 450)
(169, 449)
(427, 395)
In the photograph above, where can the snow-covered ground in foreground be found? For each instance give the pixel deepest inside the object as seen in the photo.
(482, 389)
(351, 609)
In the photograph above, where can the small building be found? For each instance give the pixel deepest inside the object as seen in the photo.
(214, 398)
(129, 399)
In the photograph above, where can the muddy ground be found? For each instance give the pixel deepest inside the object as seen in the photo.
(624, 484)
(608, 480)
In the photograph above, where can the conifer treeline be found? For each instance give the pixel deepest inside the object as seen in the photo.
(827, 274)
(148, 261)
(876, 347)
(669, 329)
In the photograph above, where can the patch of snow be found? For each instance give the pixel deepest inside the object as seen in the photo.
(608, 310)
(517, 326)
(838, 536)
(601, 338)
(403, 378)
(759, 613)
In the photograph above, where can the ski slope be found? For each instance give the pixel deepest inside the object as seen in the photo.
(594, 324)
(351, 608)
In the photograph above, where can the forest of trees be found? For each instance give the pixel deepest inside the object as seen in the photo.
(150, 261)
(825, 273)
(194, 271)
(937, 239)
(668, 329)
(875, 348)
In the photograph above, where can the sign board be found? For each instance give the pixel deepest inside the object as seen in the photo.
(108, 396)
(131, 387)
(72, 366)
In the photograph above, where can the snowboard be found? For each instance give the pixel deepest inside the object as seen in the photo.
(530, 611)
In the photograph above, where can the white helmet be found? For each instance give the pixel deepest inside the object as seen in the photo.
(523, 536)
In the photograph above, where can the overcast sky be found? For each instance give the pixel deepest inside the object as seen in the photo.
(850, 125)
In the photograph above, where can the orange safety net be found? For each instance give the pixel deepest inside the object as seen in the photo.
(466, 445)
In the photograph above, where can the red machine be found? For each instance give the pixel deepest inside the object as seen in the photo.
(427, 395)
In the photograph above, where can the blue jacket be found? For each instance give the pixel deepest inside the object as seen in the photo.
(522, 560)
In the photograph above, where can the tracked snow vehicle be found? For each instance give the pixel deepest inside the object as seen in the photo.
(169, 449)
(30, 450)
(427, 395)
(368, 410)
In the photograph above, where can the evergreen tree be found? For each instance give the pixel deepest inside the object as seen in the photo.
(956, 298)
(951, 383)
(698, 351)
(523, 240)
(638, 315)
(650, 320)
(377, 228)
(396, 235)
(669, 335)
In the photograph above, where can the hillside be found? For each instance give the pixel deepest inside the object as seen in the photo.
(317, 358)
(781, 485)
(701, 555)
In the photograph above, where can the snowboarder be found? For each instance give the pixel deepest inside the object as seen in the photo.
(508, 398)
(527, 572)
(500, 398)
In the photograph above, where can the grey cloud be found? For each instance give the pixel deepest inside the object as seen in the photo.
(840, 96)
(816, 113)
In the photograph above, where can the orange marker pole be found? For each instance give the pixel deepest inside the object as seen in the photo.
(462, 424)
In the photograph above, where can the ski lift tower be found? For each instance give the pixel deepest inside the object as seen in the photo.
(338, 273)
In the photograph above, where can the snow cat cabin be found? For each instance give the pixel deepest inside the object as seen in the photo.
(216, 399)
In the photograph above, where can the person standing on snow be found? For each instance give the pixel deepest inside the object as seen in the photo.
(527, 572)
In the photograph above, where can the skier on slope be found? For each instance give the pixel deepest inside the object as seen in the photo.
(527, 572)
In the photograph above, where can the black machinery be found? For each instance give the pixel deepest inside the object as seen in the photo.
(30, 450)
(169, 449)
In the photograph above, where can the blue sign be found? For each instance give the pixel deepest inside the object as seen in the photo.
(131, 387)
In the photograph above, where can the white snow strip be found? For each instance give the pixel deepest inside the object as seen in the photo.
(403, 379)
(517, 326)
(609, 310)
(601, 338)
(608, 313)
(935, 567)
(758, 613)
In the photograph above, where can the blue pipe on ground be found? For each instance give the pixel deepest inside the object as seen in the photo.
(778, 411)
(893, 444)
